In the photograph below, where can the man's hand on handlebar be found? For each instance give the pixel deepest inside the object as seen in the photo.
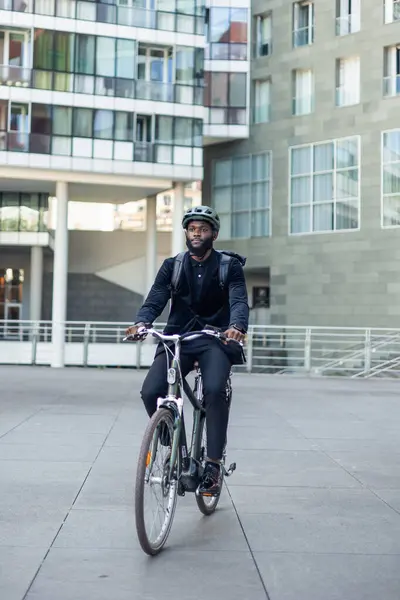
(234, 334)
(133, 332)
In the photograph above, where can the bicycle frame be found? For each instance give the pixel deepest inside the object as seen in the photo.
(173, 401)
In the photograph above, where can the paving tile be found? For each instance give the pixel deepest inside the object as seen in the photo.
(287, 468)
(130, 575)
(18, 567)
(290, 576)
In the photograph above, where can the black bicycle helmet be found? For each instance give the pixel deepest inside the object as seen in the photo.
(201, 213)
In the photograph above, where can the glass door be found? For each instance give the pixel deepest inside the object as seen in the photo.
(11, 284)
(18, 127)
(144, 136)
(14, 57)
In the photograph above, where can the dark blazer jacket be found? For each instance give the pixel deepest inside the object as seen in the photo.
(217, 307)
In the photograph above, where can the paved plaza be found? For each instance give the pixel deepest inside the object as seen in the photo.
(312, 512)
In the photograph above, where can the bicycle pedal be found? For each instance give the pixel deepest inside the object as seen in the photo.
(232, 468)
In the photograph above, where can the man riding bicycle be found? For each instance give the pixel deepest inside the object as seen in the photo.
(199, 299)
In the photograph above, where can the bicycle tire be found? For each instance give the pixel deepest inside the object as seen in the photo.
(162, 415)
(207, 505)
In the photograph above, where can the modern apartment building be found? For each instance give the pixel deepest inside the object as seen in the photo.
(106, 102)
(312, 196)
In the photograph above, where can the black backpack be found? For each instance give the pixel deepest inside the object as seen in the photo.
(226, 257)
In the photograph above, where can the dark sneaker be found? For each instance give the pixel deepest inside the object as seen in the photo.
(210, 484)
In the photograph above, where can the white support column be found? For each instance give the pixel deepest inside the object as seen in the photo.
(151, 242)
(178, 240)
(60, 274)
(36, 283)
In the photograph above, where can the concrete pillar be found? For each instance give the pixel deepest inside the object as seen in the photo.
(60, 275)
(36, 283)
(151, 241)
(178, 238)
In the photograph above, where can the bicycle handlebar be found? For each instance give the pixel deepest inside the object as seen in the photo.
(189, 336)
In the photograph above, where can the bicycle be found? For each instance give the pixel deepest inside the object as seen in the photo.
(180, 468)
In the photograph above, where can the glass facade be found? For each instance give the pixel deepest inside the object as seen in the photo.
(23, 212)
(172, 15)
(107, 134)
(325, 186)
(241, 194)
(107, 66)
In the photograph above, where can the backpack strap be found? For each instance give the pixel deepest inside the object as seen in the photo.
(177, 270)
(224, 263)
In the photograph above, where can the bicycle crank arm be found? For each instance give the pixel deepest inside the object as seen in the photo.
(232, 468)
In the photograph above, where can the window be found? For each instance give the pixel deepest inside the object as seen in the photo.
(183, 135)
(103, 124)
(347, 16)
(262, 101)
(225, 95)
(391, 80)
(64, 50)
(85, 54)
(125, 59)
(22, 212)
(43, 49)
(303, 24)
(392, 10)
(391, 178)
(325, 186)
(303, 92)
(347, 81)
(62, 120)
(228, 33)
(124, 126)
(83, 122)
(263, 45)
(105, 56)
(241, 194)
(164, 129)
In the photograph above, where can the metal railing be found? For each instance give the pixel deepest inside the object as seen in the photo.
(131, 16)
(69, 146)
(115, 87)
(303, 36)
(310, 351)
(15, 76)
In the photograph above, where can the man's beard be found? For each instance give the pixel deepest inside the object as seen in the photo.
(201, 249)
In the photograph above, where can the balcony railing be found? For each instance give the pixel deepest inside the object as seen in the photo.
(110, 13)
(227, 116)
(102, 86)
(391, 85)
(16, 76)
(347, 24)
(303, 105)
(96, 148)
(346, 97)
(303, 36)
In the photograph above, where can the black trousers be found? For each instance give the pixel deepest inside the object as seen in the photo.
(215, 367)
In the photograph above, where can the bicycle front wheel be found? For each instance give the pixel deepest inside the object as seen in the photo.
(156, 484)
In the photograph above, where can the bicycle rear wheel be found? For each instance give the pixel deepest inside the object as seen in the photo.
(206, 504)
(152, 479)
